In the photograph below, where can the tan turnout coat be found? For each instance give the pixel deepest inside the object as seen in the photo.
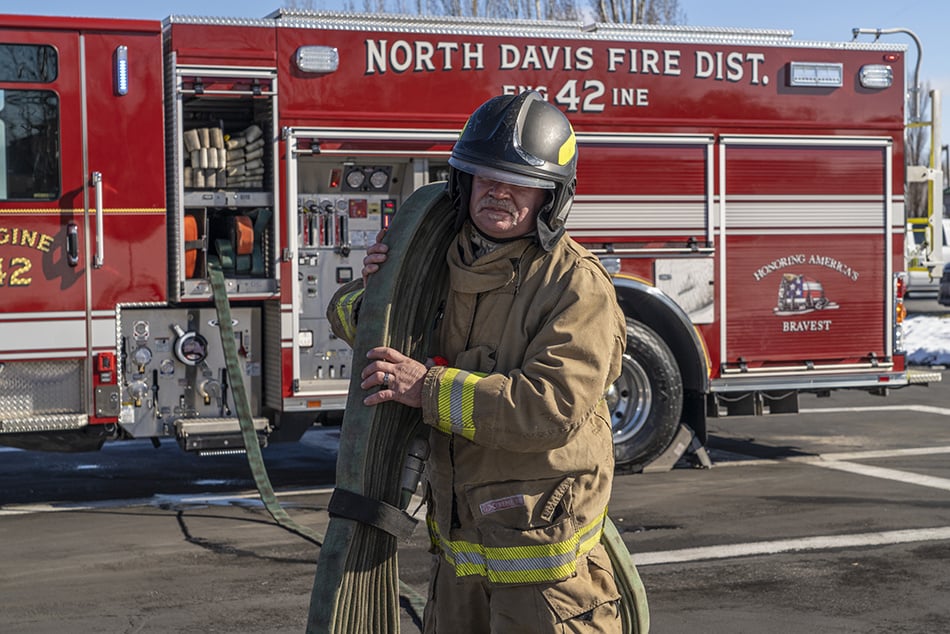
(521, 454)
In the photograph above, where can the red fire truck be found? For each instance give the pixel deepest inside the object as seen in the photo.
(745, 189)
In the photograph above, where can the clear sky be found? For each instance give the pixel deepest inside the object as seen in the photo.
(824, 20)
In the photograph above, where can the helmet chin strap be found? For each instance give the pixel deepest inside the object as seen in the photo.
(460, 190)
(548, 235)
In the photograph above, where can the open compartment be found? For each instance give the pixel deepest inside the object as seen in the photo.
(223, 133)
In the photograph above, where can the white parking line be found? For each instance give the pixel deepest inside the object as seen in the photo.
(885, 453)
(209, 499)
(887, 474)
(924, 409)
(843, 462)
(30, 509)
(741, 461)
(838, 462)
(791, 545)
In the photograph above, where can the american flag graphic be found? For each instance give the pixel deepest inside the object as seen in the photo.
(798, 293)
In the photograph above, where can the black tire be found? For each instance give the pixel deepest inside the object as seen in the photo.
(646, 401)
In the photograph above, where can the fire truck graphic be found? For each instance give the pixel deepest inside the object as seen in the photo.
(799, 295)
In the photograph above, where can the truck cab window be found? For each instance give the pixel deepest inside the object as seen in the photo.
(29, 163)
(29, 134)
(28, 63)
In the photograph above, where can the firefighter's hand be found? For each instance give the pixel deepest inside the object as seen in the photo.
(398, 378)
(375, 255)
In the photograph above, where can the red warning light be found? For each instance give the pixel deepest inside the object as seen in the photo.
(334, 179)
(389, 208)
(891, 57)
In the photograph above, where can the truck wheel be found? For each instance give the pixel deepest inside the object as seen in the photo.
(646, 400)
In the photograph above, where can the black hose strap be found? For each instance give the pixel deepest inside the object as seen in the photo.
(376, 513)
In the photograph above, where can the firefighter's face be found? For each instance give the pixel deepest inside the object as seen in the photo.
(501, 210)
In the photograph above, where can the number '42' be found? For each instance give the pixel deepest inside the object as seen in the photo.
(18, 270)
(569, 98)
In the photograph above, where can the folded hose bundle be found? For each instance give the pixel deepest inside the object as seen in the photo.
(356, 588)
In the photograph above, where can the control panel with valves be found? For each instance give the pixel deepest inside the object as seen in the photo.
(341, 209)
(172, 367)
(341, 223)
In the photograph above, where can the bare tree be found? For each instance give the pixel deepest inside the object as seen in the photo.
(498, 9)
(624, 11)
(642, 12)
(302, 5)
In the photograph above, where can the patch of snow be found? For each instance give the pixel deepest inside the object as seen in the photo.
(927, 339)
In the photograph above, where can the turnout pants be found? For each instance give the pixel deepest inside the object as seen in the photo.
(586, 602)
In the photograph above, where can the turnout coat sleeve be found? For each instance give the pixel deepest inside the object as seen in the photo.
(530, 358)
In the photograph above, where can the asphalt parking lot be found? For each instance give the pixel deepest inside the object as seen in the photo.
(835, 519)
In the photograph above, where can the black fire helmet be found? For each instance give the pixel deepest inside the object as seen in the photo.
(521, 140)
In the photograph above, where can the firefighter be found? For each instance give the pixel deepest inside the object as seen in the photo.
(521, 454)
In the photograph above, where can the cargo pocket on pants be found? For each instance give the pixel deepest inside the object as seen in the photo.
(588, 601)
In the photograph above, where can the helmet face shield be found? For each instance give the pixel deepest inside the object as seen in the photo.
(491, 173)
(522, 140)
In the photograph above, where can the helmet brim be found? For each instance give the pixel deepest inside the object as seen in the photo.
(500, 175)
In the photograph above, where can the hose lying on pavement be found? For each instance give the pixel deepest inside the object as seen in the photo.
(355, 589)
(242, 406)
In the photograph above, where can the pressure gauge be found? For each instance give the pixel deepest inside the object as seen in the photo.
(142, 356)
(378, 179)
(342, 205)
(166, 367)
(355, 178)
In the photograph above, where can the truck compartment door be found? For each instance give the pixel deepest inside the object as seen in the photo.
(806, 225)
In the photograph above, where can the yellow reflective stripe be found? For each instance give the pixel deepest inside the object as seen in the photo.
(456, 398)
(519, 564)
(445, 400)
(590, 537)
(535, 575)
(465, 426)
(344, 311)
(567, 150)
(58, 211)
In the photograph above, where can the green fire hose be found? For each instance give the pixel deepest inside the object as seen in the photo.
(355, 588)
(413, 599)
(242, 407)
